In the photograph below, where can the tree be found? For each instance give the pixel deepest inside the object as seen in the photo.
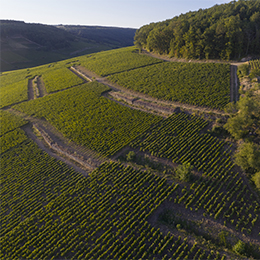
(256, 179)
(248, 156)
(240, 124)
(183, 172)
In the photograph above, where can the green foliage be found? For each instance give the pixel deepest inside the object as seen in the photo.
(130, 156)
(115, 61)
(256, 179)
(254, 68)
(12, 139)
(227, 31)
(240, 247)
(9, 122)
(230, 108)
(89, 119)
(61, 78)
(183, 172)
(193, 83)
(248, 156)
(242, 70)
(247, 118)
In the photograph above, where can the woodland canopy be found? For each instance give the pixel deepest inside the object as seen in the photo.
(227, 31)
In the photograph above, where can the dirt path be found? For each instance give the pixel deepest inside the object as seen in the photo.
(28, 130)
(36, 88)
(31, 89)
(233, 84)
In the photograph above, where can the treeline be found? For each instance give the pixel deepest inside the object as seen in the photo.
(227, 31)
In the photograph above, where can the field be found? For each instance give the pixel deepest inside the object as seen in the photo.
(115, 61)
(58, 79)
(178, 139)
(135, 204)
(84, 116)
(193, 83)
(102, 219)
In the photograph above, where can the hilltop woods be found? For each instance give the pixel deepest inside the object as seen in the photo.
(227, 31)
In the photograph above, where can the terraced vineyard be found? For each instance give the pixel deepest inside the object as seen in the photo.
(219, 191)
(193, 83)
(30, 179)
(11, 134)
(104, 216)
(61, 78)
(89, 119)
(118, 211)
(115, 61)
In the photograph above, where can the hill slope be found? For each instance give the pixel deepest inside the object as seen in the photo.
(227, 31)
(26, 45)
(110, 35)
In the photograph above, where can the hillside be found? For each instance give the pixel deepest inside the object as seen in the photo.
(118, 155)
(26, 45)
(111, 35)
(227, 31)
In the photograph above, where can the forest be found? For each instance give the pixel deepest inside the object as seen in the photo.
(227, 31)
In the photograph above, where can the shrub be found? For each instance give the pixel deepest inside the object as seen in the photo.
(239, 247)
(131, 156)
(183, 172)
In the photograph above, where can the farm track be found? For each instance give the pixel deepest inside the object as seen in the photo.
(233, 84)
(36, 88)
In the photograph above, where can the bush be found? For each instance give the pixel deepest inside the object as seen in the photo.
(243, 70)
(183, 172)
(240, 247)
(131, 156)
(256, 179)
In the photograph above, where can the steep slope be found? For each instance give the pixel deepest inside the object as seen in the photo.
(27, 45)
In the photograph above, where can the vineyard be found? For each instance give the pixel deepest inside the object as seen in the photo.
(10, 122)
(219, 191)
(61, 78)
(121, 210)
(193, 83)
(102, 217)
(30, 179)
(116, 61)
(89, 119)
(254, 64)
